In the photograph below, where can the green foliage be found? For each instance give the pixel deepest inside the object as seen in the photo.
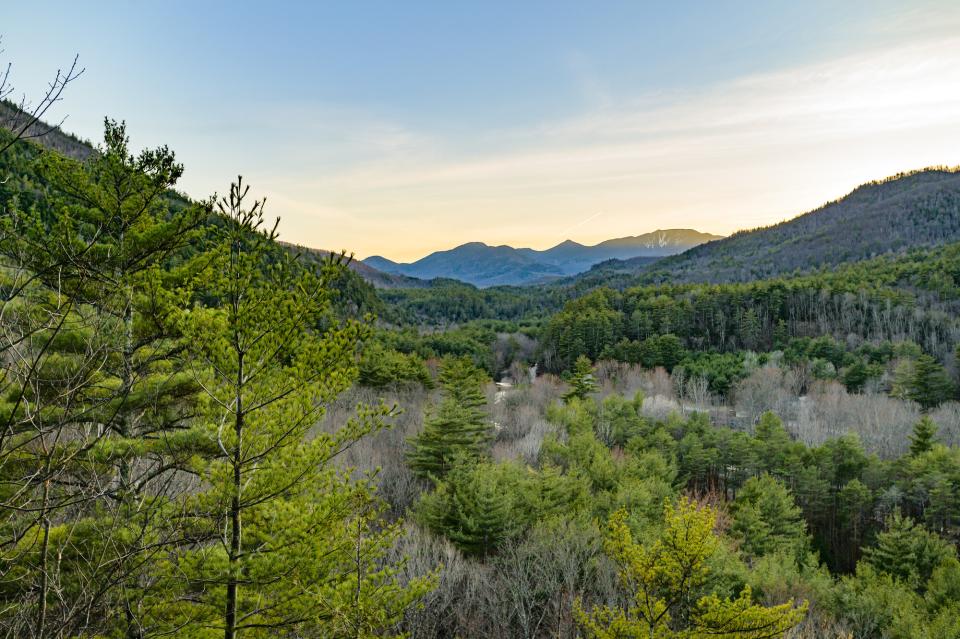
(447, 302)
(639, 480)
(721, 370)
(125, 316)
(474, 340)
(763, 315)
(581, 380)
(925, 382)
(476, 507)
(584, 327)
(766, 520)
(301, 547)
(380, 367)
(463, 382)
(923, 437)
(907, 552)
(668, 583)
(875, 603)
(479, 506)
(930, 483)
(457, 428)
(97, 285)
(855, 376)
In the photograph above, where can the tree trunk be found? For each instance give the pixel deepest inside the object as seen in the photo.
(230, 612)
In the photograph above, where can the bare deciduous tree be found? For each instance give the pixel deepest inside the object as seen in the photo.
(25, 117)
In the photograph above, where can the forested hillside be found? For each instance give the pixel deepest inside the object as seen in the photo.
(891, 217)
(137, 325)
(911, 210)
(51, 137)
(914, 297)
(814, 406)
(27, 186)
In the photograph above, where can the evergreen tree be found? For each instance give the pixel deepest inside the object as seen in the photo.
(750, 329)
(119, 207)
(781, 335)
(855, 376)
(290, 544)
(907, 552)
(463, 382)
(582, 381)
(924, 436)
(114, 399)
(458, 427)
(380, 367)
(670, 351)
(773, 444)
(766, 519)
(927, 383)
(477, 506)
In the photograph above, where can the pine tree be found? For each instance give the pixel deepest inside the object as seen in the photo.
(458, 427)
(114, 402)
(855, 376)
(669, 575)
(582, 381)
(476, 506)
(463, 382)
(924, 436)
(781, 335)
(927, 383)
(750, 329)
(290, 544)
(766, 519)
(670, 351)
(772, 443)
(907, 552)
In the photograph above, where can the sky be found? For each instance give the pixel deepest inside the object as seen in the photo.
(401, 128)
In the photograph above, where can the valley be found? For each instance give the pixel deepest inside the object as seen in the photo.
(218, 421)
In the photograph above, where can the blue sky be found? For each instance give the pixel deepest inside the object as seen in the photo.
(402, 128)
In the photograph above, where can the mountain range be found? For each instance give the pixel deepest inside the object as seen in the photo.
(482, 265)
(917, 209)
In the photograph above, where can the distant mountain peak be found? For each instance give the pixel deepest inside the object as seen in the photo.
(568, 244)
(480, 264)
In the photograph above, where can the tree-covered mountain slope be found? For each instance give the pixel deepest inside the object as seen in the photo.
(49, 136)
(475, 263)
(24, 185)
(909, 210)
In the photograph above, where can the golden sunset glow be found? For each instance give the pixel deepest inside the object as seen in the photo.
(743, 154)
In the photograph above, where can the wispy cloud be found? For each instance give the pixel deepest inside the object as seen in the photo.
(745, 152)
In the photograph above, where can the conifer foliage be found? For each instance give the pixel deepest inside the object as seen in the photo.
(924, 436)
(928, 383)
(582, 382)
(478, 506)
(667, 576)
(293, 544)
(907, 552)
(162, 367)
(91, 336)
(458, 428)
